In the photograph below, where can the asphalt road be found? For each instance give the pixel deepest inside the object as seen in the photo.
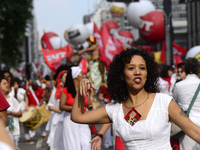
(40, 142)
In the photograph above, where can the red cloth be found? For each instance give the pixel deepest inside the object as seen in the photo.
(39, 92)
(59, 88)
(3, 102)
(174, 143)
(70, 99)
(104, 92)
(168, 79)
(119, 145)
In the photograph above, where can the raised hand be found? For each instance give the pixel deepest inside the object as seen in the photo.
(85, 86)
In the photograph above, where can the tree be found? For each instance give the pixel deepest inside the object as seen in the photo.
(14, 15)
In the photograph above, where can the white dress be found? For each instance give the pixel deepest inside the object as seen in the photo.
(53, 124)
(150, 134)
(14, 107)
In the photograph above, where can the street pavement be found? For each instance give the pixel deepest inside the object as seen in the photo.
(40, 142)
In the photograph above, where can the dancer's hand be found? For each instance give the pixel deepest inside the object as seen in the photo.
(85, 86)
(96, 143)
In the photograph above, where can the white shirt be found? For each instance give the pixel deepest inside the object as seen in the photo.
(163, 86)
(150, 134)
(183, 94)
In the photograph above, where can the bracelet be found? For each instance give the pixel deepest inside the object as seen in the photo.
(99, 134)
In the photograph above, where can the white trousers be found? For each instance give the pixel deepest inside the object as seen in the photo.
(76, 136)
(108, 138)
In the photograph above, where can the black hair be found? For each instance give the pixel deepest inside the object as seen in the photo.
(15, 79)
(2, 78)
(117, 87)
(164, 70)
(61, 68)
(191, 66)
(69, 83)
(47, 77)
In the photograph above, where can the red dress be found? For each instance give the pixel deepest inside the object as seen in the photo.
(70, 99)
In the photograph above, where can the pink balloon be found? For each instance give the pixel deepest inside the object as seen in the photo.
(152, 28)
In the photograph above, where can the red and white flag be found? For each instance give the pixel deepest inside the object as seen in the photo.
(53, 58)
(97, 36)
(83, 65)
(111, 45)
(178, 52)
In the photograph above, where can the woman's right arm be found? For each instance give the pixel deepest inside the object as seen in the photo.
(97, 116)
(63, 106)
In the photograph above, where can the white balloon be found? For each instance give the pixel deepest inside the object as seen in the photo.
(77, 34)
(137, 9)
(55, 42)
(193, 51)
(90, 28)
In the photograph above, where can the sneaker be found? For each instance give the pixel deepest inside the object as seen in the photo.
(29, 142)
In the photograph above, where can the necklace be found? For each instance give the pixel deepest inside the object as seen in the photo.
(138, 104)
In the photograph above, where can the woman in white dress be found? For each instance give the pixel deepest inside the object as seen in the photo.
(53, 106)
(140, 115)
(13, 111)
(76, 136)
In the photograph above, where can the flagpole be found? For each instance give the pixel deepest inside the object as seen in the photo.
(168, 32)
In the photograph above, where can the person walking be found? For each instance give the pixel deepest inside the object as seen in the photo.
(183, 93)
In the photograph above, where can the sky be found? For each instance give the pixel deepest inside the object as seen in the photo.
(58, 15)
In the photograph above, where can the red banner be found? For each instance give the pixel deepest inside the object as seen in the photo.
(53, 58)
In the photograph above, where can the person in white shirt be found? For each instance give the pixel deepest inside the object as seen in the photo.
(13, 111)
(183, 93)
(140, 115)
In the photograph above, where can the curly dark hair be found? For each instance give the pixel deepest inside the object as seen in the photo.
(117, 87)
(191, 66)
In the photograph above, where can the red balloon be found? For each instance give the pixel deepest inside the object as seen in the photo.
(152, 28)
(111, 25)
(126, 36)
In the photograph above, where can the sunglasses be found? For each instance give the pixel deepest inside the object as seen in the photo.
(180, 71)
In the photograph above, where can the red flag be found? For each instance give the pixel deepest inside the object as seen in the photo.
(83, 65)
(97, 35)
(177, 60)
(163, 54)
(46, 44)
(53, 58)
(178, 50)
(110, 49)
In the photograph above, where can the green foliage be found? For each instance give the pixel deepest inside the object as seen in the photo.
(14, 15)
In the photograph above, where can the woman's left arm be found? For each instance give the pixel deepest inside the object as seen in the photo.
(178, 117)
